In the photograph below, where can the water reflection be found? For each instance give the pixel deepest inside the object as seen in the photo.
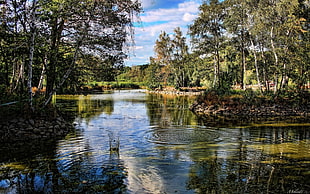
(87, 107)
(162, 148)
(165, 110)
(264, 160)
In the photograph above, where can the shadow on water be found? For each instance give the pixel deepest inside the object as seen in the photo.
(132, 142)
(72, 171)
(255, 160)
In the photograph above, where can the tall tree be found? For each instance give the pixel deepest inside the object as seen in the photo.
(163, 49)
(31, 50)
(237, 23)
(43, 36)
(277, 20)
(207, 34)
(96, 27)
(179, 56)
(163, 52)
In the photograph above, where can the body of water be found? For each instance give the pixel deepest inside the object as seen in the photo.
(129, 141)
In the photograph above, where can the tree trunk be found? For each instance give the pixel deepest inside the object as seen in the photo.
(243, 71)
(64, 78)
(243, 68)
(53, 58)
(79, 42)
(284, 78)
(215, 78)
(40, 84)
(31, 51)
(275, 57)
(218, 69)
(264, 67)
(256, 66)
(20, 77)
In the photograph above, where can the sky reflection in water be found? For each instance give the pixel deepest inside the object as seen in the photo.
(164, 148)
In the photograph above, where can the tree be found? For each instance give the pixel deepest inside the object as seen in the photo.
(31, 51)
(96, 27)
(50, 37)
(237, 23)
(278, 22)
(207, 34)
(179, 57)
(153, 74)
(163, 52)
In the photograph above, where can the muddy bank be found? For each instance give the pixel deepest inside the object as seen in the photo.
(215, 115)
(171, 92)
(244, 110)
(212, 104)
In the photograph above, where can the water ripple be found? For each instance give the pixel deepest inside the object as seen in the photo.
(180, 135)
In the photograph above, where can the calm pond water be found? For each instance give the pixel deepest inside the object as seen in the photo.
(163, 148)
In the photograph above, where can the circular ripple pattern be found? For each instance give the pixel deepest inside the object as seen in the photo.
(181, 136)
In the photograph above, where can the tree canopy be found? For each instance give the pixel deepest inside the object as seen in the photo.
(262, 43)
(49, 42)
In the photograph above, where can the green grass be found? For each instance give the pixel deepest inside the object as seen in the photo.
(116, 85)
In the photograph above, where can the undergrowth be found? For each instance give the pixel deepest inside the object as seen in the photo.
(255, 98)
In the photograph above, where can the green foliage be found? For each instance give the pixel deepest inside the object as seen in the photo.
(62, 44)
(251, 42)
(237, 99)
(114, 85)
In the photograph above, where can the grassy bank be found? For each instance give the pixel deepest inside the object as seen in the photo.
(115, 85)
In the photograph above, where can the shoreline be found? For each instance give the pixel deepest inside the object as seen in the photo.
(251, 105)
(179, 93)
(36, 128)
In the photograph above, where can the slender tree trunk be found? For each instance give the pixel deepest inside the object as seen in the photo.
(275, 87)
(20, 77)
(264, 67)
(275, 57)
(31, 52)
(70, 69)
(243, 72)
(256, 66)
(57, 29)
(284, 78)
(14, 69)
(40, 84)
(243, 68)
(51, 66)
(218, 69)
(64, 78)
(215, 73)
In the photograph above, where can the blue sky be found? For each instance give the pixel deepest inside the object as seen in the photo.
(158, 16)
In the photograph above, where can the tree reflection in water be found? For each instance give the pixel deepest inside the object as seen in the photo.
(257, 164)
(164, 148)
(72, 171)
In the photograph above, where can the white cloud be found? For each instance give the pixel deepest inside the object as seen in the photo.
(190, 6)
(170, 14)
(187, 17)
(157, 20)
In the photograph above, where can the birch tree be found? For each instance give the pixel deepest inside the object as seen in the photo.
(207, 33)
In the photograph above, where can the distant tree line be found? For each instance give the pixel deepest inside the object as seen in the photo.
(61, 43)
(234, 42)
